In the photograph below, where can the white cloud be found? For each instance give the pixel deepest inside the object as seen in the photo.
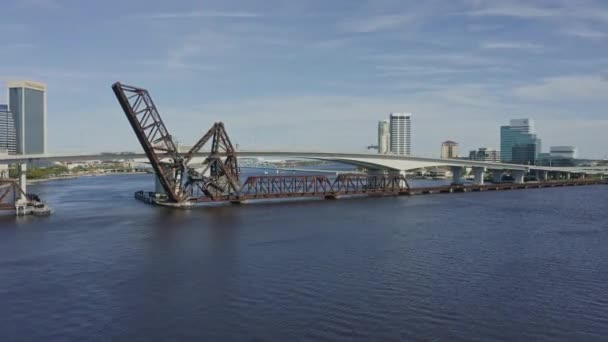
(585, 33)
(515, 11)
(566, 88)
(526, 10)
(198, 14)
(40, 4)
(376, 23)
(511, 46)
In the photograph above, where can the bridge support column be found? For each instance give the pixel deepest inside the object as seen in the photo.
(497, 176)
(480, 174)
(543, 176)
(456, 175)
(567, 176)
(403, 183)
(4, 172)
(23, 179)
(518, 176)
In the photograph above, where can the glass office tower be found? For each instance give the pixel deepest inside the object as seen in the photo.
(27, 102)
(519, 143)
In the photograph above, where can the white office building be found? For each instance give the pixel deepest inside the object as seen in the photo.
(401, 133)
(384, 136)
(8, 135)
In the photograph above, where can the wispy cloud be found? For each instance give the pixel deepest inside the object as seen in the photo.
(393, 70)
(198, 14)
(40, 4)
(511, 46)
(566, 88)
(520, 11)
(585, 33)
(445, 59)
(376, 23)
(527, 10)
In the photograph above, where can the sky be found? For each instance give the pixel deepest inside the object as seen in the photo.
(316, 75)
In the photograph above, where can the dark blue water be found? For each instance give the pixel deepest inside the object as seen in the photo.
(499, 266)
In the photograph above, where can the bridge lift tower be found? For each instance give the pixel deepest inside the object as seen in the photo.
(182, 184)
(219, 179)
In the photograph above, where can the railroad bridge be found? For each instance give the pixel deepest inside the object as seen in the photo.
(218, 179)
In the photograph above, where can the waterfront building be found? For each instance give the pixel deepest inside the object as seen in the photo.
(384, 136)
(486, 154)
(519, 143)
(27, 102)
(401, 133)
(559, 156)
(568, 152)
(8, 138)
(449, 150)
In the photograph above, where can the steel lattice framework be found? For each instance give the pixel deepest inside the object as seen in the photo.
(218, 180)
(10, 191)
(220, 176)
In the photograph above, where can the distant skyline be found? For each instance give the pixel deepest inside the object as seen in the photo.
(316, 75)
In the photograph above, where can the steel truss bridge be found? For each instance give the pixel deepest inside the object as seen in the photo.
(218, 179)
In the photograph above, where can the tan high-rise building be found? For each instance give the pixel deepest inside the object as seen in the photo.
(449, 150)
(384, 136)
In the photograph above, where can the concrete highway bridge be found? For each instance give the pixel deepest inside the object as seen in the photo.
(371, 162)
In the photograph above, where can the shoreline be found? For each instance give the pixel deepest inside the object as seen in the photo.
(90, 174)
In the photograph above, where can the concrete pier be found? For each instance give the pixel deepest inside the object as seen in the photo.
(497, 176)
(518, 176)
(23, 179)
(480, 174)
(456, 175)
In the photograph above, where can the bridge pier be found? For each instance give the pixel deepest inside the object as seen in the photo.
(518, 176)
(23, 179)
(567, 176)
(480, 173)
(543, 176)
(497, 176)
(456, 175)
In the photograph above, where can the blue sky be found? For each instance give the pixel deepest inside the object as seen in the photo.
(316, 75)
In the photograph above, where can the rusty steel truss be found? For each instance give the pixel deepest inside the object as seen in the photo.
(265, 187)
(10, 191)
(217, 179)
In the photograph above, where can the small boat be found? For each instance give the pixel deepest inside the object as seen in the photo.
(41, 209)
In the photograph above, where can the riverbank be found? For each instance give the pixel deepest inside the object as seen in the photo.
(79, 175)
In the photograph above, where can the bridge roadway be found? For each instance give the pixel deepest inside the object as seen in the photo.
(366, 160)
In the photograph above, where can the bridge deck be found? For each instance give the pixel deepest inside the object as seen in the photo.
(343, 188)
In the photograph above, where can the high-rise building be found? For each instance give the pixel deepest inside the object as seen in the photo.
(27, 101)
(449, 150)
(519, 143)
(384, 135)
(8, 138)
(401, 133)
(485, 154)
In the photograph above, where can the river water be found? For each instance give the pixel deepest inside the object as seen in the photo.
(495, 266)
